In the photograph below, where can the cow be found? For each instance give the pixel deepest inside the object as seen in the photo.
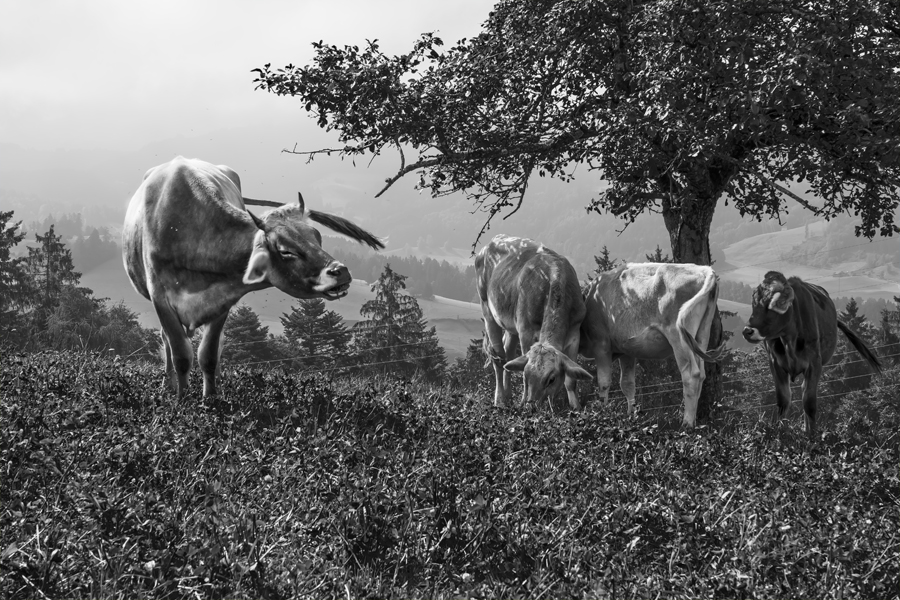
(192, 248)
(532, 308)
(651, 311)
(798, 323)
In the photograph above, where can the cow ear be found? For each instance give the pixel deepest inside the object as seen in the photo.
(573, 369)
(781, 301)
(516, 364)
(260, 261)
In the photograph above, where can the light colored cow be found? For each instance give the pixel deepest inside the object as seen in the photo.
(651, 311)
(531, 301)
(192, 249)
(799, 324)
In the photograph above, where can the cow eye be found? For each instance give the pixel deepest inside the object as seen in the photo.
(287, 255)
(551, 380)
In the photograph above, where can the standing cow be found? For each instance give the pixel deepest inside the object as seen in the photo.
(531, 300)
(651, 311)
(192, 249)
(798, 322)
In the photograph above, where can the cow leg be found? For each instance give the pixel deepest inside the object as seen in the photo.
(179, 352)
(209, 353)
(692, 375)
(603, 362)
(170, 368)
(526, 340)
(627, 381)
(510, 347)
(494, 335)
(782, 389)
(810, 385)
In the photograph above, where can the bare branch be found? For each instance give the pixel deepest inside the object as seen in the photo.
(786, 192)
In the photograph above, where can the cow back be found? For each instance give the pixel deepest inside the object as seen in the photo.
(626, 302)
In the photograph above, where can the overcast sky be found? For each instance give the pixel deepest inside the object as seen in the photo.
(113, 74)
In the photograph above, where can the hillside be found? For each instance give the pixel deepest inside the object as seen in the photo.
(840, 272)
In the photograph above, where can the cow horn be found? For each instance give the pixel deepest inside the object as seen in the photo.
(301, 202)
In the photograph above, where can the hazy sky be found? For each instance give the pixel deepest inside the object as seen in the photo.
(113, 74)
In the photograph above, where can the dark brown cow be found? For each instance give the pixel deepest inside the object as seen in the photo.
(193, 250)
(531, 300)
(798, 322)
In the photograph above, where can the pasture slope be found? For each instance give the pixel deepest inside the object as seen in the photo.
(750, 259)
(285, 488)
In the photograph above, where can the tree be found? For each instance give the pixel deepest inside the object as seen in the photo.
(245, 338)
(394, 335)
(316, 336)
(677, 103)
(851, 317)
(604, 263)
(658, 256)
(50, 268)
(15, 285)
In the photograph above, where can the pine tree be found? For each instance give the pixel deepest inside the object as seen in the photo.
(50, 267)
(315, 335)
(658, 256)
(851, 317)
(246, 339)
(14, 288)
(603, 263)
(394, 335)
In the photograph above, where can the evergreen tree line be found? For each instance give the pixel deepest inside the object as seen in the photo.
(42, 304)
(392, 337)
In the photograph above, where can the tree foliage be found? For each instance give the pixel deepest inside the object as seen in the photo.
(245, 338)
(15, 290)
(317, 336)
(51, 270)
(394, 335)
(677, 103)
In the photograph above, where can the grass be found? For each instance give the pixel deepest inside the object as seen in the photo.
(282, 488)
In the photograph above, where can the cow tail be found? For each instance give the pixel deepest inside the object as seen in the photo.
(861, 347)
(706, 297)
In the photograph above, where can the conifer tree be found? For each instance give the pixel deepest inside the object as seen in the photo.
(50, 267)
(394, 335)
(245, 338)
(316, 336)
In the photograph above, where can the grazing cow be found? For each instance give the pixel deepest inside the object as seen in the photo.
(798, 322)
(192, 249)
(530, 298)
(651, 311)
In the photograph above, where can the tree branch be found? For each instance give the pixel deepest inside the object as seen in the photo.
(786, 192)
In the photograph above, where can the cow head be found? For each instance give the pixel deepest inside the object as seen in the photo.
(545, 369)
(771, 301)
(287, 253)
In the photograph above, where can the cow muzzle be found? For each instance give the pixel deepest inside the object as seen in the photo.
(752, 335)
(334, 281)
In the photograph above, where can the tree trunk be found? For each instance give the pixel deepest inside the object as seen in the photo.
(688, 225)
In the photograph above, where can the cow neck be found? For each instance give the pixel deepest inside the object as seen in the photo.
(555, 324)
